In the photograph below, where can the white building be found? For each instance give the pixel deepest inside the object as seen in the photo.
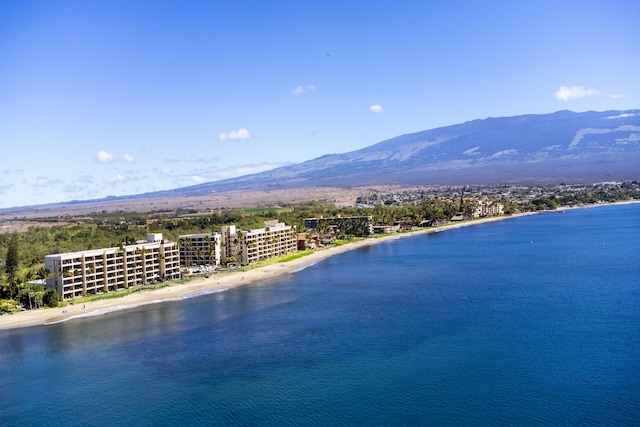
(200, 249)
(78, 274)
(249, 246)
(486, 208)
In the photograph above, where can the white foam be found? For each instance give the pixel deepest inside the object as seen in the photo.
(297, 270)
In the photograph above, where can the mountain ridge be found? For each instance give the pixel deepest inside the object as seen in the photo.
(532, 148)
(553, 148)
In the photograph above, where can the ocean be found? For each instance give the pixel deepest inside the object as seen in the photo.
(534, 320)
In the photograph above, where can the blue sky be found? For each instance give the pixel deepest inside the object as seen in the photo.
(109, 97)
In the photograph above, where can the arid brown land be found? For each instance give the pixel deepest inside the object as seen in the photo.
(13, 220)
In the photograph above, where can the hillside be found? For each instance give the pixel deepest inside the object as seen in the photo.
(562, 147)
(544, 148)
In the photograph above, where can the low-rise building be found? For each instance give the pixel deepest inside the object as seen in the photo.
(385, 229)
(308, 241)
(78, 274)
(359, 226)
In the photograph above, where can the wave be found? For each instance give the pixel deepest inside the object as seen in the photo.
(108, 310)
(297, 270)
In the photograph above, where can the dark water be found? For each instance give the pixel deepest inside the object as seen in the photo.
(533, 320)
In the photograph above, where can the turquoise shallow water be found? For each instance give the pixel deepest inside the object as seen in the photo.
(533, 320)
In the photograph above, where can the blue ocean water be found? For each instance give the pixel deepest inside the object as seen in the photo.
(529, 321)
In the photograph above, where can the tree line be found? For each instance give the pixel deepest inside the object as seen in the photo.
(22, 254)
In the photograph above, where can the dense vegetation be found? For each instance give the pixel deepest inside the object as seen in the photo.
(23, 253)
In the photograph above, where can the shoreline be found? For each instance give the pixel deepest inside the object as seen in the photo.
(218, 282)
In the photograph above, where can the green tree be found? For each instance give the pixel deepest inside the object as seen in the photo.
(4, 287)
(17, 285)
(51, 298)
(43, 274)
(26, 287)
(37, 294)
(13, 258)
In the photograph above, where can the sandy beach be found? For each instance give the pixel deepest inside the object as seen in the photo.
(215, 283)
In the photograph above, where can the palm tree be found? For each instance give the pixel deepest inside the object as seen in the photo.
(38, 297)
(210, 249)
(43, 274)
(121, 253)
(143, 251)
(14, 284)
(28, 276)
(187, 246)
(22, 291)
(199, 255)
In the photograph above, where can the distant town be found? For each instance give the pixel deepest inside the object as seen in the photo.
(58, 260)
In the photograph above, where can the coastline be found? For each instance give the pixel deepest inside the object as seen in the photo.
(219, 282)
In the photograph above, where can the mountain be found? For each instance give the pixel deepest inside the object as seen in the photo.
(562, 147)
(530, 149)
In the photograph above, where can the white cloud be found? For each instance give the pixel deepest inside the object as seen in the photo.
(471, 151)
(565, 93)
(73, 188)
(300, 90)
(43, 181)
(582, 132)
(193, 159)
(509, 152)
(4, 189)
(235, 135)
(210, 174)
(377, 108)
(213, 159)
(114, 179)
(162, 171)
(586, 131)
(617, 95)
(240, 170)
(633, 137)
(105, 157)
(621, 116)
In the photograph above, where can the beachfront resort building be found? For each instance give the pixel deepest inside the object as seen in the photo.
(84, 273)
(200, 249)
(79, 274)
(359, 226)
(485, 208)
(249, 246)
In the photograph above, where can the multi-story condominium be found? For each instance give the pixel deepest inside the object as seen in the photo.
(78, 274)
(230, 241)
(255, 245)
(486, 208)
(359, 226)
(200, 249)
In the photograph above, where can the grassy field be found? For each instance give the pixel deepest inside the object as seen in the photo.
(262, 211)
